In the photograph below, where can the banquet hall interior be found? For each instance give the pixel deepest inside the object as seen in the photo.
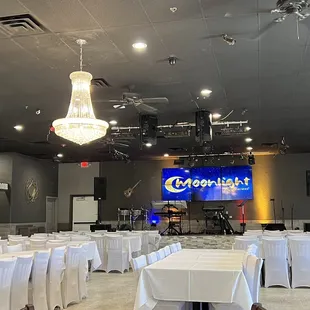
(154, 154)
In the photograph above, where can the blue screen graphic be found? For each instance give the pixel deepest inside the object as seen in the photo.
(176, 184)
(207, 183)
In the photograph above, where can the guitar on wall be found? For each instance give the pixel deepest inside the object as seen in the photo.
(128, 192)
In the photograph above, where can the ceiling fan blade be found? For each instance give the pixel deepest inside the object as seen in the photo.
(160, 100)
(141, 107)
(263, 30)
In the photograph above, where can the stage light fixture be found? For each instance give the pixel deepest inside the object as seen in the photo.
(232, 161)
(191, 161)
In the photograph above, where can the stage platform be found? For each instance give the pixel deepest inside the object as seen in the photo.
(200, 241)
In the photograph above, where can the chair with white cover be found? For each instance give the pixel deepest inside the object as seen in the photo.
(179, 246)
(55, 272)
(21, 241)
(37, 244)
(40, 235)
(167, 250)
(15, 248)
(160, 254)
(63, 237)
(117, 258)
(52, 244)
(4, 245)
(300, 254)
(145, 242)
(7, 266)
(138, 264)
(20, 281)
(151, 258)
(276, 262)
(80, 238)
(38, 296)
(153, 242)
(173, 248)
(100, 241)
(83, 271)
(252, 272)
(242, 243)
(70, 283)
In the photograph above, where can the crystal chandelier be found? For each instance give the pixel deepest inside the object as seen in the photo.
(80, 125)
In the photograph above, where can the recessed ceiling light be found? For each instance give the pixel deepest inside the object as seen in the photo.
(216, 115)
(139, 45)
(247, 128)
(60, 155)
(166, 155)
(19, 127)
(113, 122)
(249, 148)
(148, 144)
(206, 92)
(248, 140)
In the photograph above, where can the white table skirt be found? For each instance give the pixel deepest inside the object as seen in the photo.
(202, 276)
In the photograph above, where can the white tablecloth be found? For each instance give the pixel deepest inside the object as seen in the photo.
(195, 275)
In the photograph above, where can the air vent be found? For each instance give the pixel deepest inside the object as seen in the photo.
(21, 25)
(100, 83)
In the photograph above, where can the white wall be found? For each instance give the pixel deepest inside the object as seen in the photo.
(74, 180)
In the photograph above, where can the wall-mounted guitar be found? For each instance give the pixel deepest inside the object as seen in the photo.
(128, 192)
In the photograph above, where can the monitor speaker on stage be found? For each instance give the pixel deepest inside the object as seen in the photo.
(100, 188)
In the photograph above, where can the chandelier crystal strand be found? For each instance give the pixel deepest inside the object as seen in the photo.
(80, 125)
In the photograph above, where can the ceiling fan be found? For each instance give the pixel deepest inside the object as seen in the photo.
(136, 100)
(297, 8)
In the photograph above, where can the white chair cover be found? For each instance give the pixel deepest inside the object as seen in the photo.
(6, 274)
(52, 244)
(20, 280)
(170, 305)
(4, 245)
(167, 250)
(173, 248)
(83, 271)
(179, 246)
(56, 268)
(21, 241)
(80, 238)
(100, 241)
(37, 244)
(300, 254)
(144, 242)
(40, 235)
(70, 283)
(160, 254)
(151, 258)
(118, 259)
(15, 248)
(138, 264)
(63, 237)
(153, 242)
(38, 280)
(276, 264)
(242, 243)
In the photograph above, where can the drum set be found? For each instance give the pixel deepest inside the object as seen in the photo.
(131, 216)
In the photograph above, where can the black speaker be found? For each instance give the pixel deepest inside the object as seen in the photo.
(148, 128)
(203, 126)
(100, 188)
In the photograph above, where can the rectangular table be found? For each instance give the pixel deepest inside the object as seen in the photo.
(196, 276)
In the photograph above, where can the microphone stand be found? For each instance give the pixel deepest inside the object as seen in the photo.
(274, 209)
(241, 205)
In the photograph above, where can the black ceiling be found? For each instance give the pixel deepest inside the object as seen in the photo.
(268, 76)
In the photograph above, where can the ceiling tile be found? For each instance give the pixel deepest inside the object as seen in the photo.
(116, 13)
(159, 10)
(61, 16)
(229, 7)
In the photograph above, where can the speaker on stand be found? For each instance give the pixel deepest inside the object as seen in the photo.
(100, 193)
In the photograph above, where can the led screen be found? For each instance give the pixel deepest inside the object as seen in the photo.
(207, 183)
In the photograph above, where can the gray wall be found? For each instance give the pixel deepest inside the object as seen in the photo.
(73, 180)
(282, 178)
(45, 173)
(6, 164)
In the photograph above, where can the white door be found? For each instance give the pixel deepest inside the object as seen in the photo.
(51, 214)
(85, 212)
